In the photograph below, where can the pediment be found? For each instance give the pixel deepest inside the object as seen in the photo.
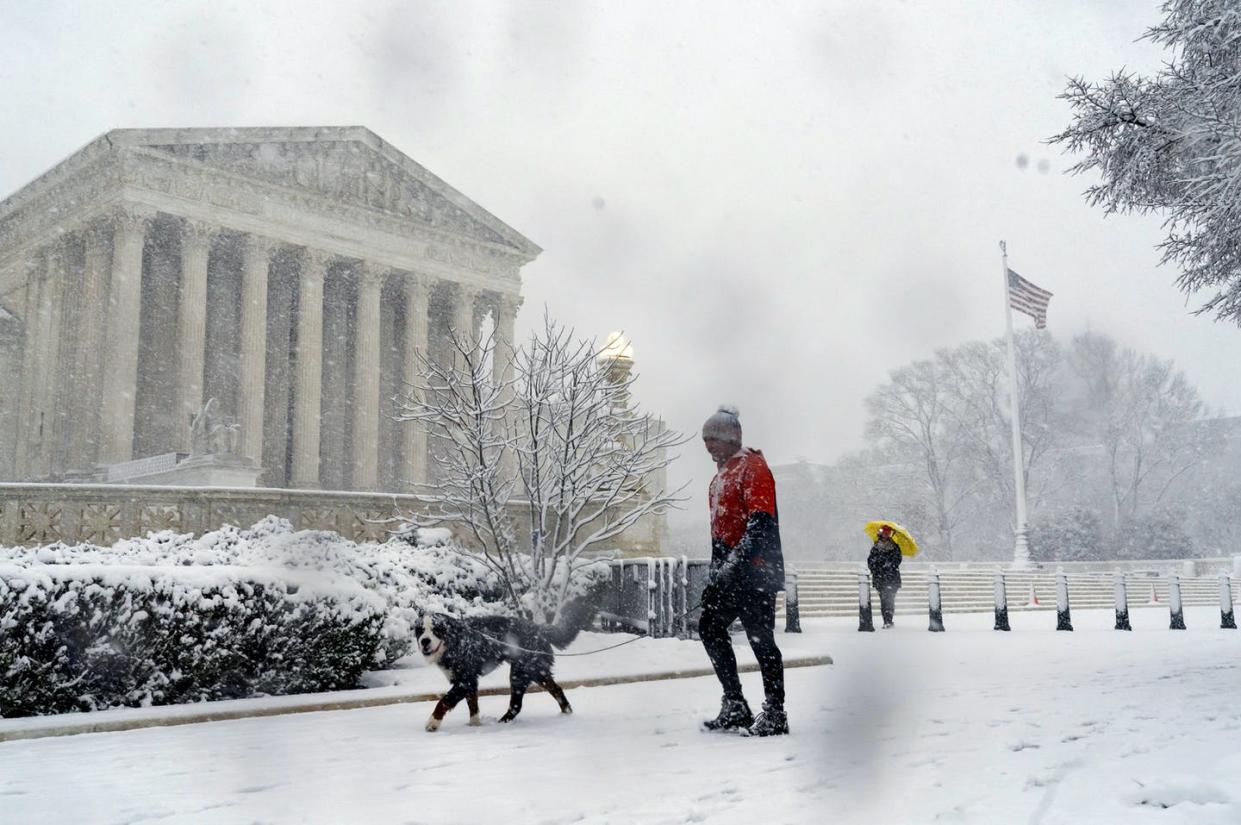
(349, 164)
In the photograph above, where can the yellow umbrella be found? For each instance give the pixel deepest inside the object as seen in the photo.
(900, 535)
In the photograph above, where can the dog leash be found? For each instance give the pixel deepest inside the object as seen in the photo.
(559, 655)
(636, 638)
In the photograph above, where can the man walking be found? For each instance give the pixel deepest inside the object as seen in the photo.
(747, 570)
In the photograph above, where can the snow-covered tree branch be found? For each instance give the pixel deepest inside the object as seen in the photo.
(558, 455)
(1172, 144)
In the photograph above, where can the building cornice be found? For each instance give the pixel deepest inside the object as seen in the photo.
(327, 134)
(139, 138)
(289, 214)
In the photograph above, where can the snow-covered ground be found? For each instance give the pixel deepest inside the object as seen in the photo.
(971, 726)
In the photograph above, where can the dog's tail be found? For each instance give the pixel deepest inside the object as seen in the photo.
(575, 617)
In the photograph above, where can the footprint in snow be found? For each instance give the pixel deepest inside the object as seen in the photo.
(1022, 746)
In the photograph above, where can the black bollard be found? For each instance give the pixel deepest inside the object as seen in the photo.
(1226, 619)
(1001, 602)
(1063, 620)
(1174, 603)
(792, 617)
(936, 610)
(864, 622)
(1122, 602)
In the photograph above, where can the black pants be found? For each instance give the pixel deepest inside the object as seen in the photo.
(887, 602)
(757, 611)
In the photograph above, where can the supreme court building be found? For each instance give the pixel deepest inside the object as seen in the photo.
(290, 274)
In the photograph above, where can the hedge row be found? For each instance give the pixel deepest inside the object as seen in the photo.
(79, 637)
(410, 577)
(267, 610)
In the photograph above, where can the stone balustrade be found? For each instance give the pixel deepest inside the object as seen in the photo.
(34, 514)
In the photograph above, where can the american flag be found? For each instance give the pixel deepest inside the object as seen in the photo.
(1024, 296)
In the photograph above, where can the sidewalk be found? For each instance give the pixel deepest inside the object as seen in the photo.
(646, 660)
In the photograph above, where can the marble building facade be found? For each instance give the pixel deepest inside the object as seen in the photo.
(291, 274)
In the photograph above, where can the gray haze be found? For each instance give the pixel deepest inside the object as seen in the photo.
(777, 209)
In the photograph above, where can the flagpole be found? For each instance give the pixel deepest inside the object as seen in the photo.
(1021, 548)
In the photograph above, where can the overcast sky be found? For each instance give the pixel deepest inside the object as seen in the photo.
(777, 207)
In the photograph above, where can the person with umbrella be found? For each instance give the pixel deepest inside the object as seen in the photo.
(885, 566)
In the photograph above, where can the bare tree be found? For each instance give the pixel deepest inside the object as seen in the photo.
(467, 414)
(950, 415)
(559, 449)
(1146, 416)
(1102, 426)
(911, 413)
(979, 400)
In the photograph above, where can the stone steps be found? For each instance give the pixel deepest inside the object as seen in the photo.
(835, 592)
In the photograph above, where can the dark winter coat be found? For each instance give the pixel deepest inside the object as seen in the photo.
(745, 525)
(885, 564)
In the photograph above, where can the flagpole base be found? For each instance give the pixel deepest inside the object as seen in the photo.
(1021, 551)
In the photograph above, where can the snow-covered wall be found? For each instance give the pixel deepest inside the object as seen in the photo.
(102, 514)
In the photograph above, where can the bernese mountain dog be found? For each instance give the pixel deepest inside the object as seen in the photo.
(466, 649)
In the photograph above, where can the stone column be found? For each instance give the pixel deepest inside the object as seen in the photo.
(308, 387)
(84, 446)
(366, 379)
(502, 366)
(49, 366)
(253, 347)
(417, 326)
(463, 311)
(31, 344)
(191, 326)
(335, 456)
(64, 391)
(506, 345)
(120, 375)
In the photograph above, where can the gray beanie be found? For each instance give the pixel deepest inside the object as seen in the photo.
(724, 425)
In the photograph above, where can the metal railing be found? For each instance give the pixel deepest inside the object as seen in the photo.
(660, 597)
(1120, 583)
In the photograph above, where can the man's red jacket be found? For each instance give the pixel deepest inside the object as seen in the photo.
(745, 526)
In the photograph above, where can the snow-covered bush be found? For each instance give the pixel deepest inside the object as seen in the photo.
(171, 618)
(1160, 535)
(413, 574)
(1073, 534)
(79, 637)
